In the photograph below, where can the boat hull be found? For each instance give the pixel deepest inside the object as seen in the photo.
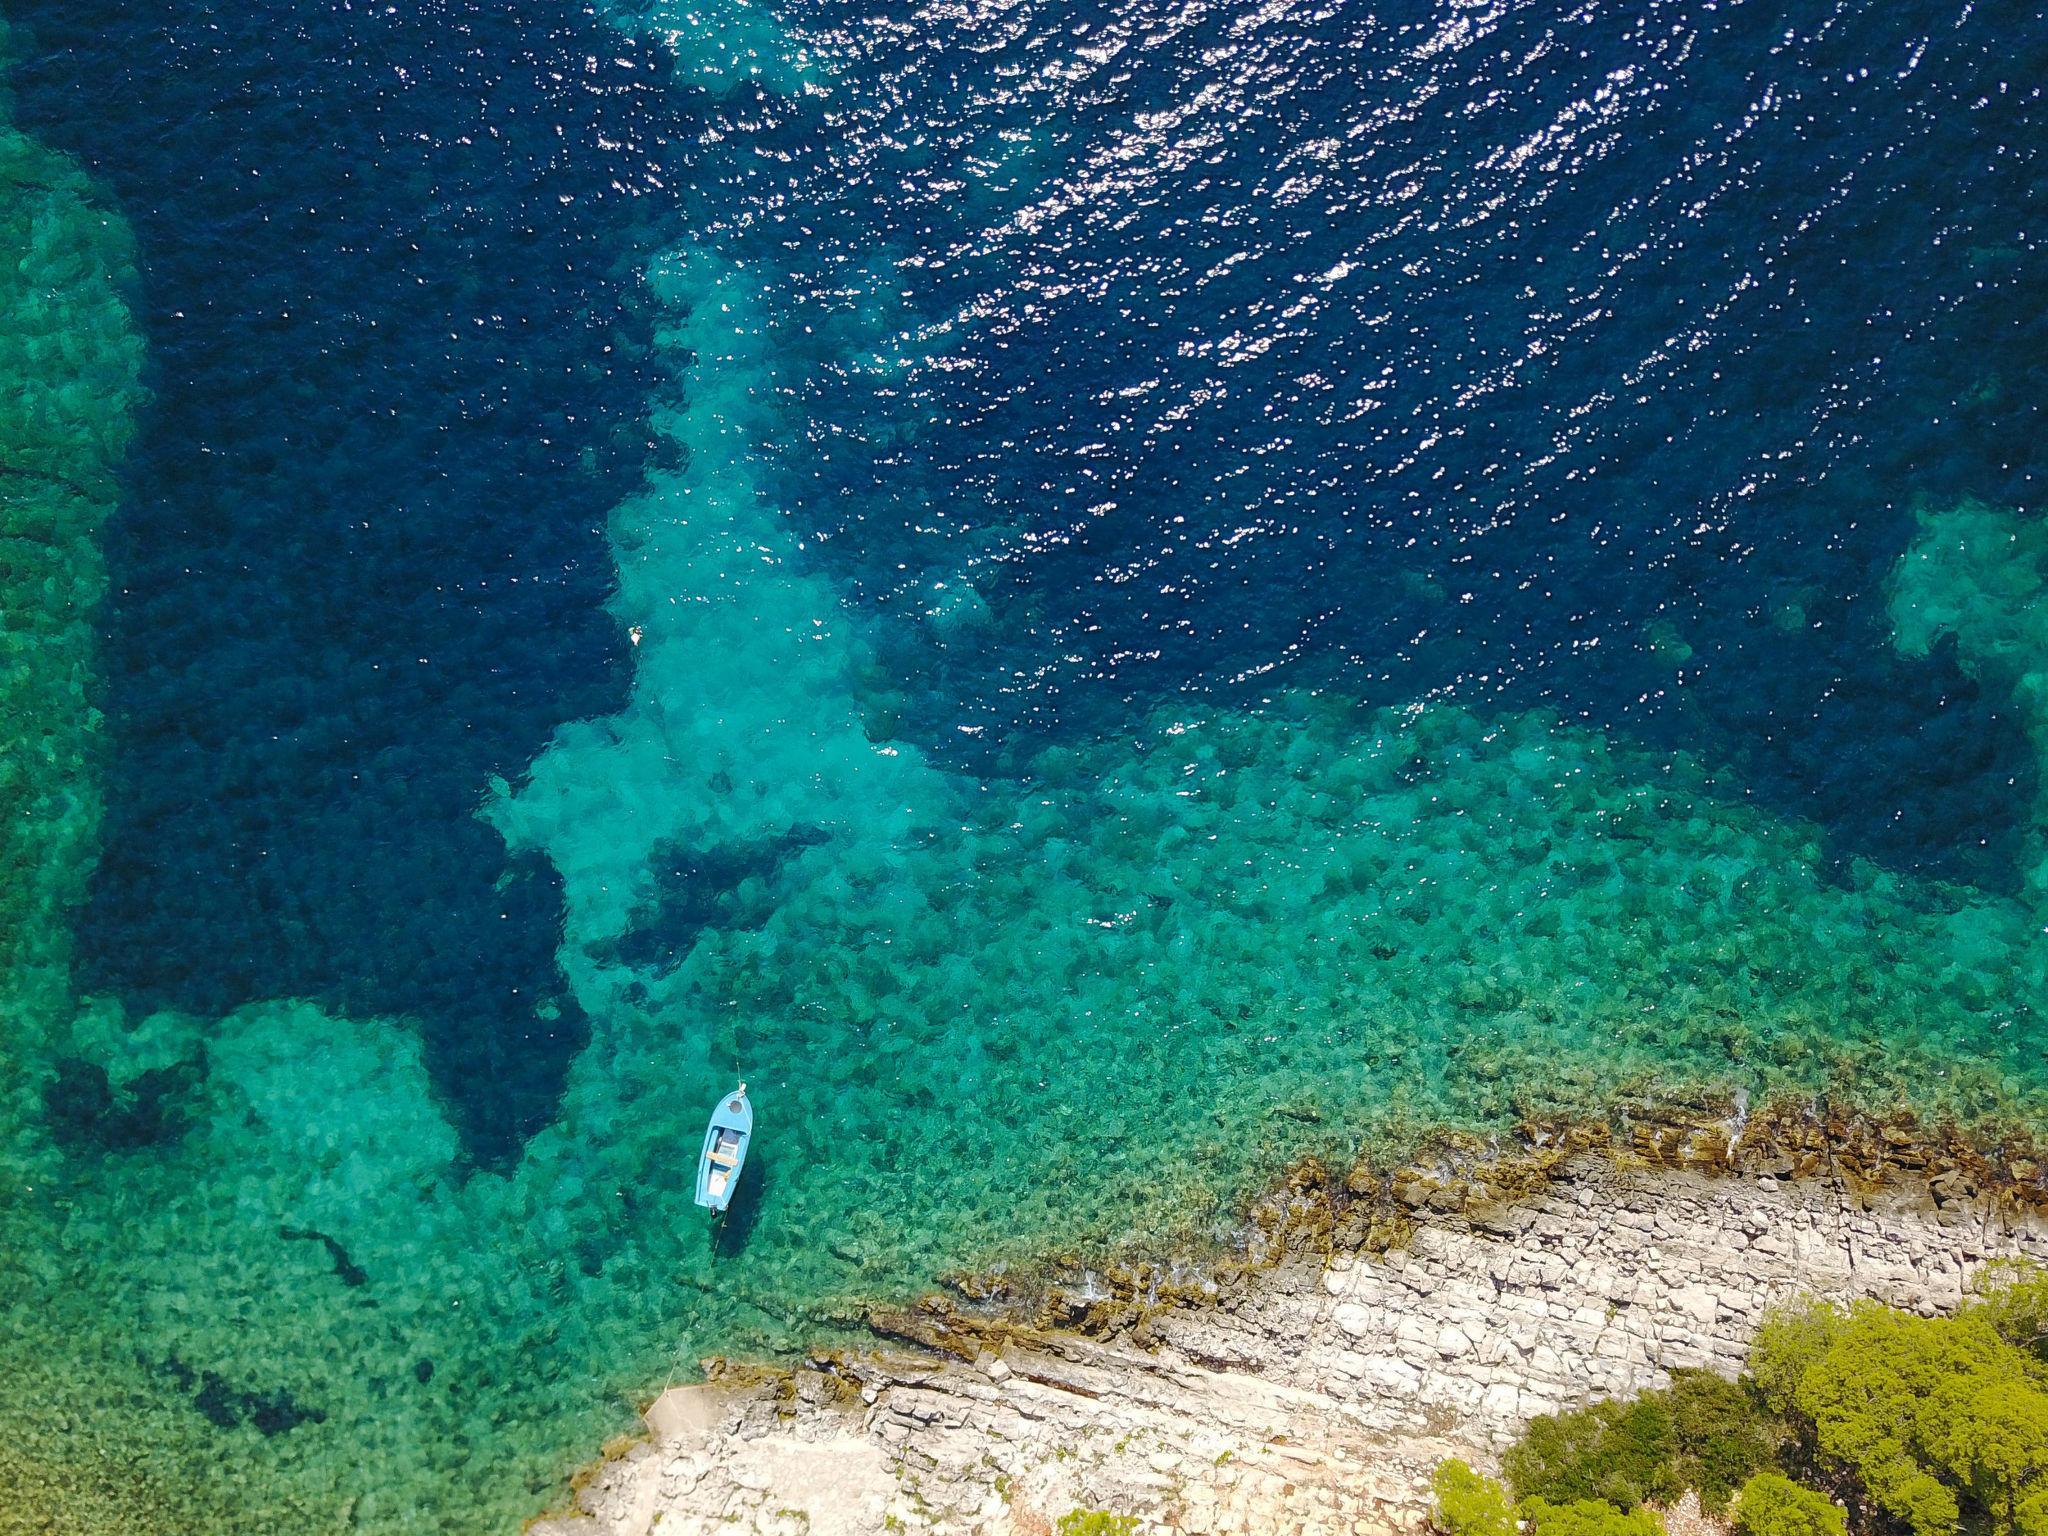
(726, 1140)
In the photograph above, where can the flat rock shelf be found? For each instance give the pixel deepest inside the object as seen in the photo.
(1314, 1398)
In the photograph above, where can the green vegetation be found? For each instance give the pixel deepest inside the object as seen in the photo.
(1096, 1522)
(1942, 1421)
(1469, 1504)
(1587, 1517)
(1797, 1334)
(1771, 1504)
(1702, 1432)
(2012, 1296)
(1934, 1426)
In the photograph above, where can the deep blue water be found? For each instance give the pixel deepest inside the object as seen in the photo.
(388, 256)
(1598, 368)
(1683, 354)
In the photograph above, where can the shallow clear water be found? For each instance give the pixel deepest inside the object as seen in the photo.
(1092, 598)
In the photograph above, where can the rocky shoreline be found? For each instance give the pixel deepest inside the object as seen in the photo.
(1376, 1323)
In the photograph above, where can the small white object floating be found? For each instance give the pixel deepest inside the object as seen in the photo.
(725, 1150)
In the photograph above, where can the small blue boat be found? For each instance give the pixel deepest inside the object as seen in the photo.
(725, 1150)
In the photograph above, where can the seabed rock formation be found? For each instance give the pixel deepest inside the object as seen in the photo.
(1376, 1325)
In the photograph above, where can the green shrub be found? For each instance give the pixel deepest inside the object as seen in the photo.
(1096, 1522)
(2012, 1296)
(1943, 1422)
(1771, 1504)
(1702, 1432)
(1469, 1503)
(1992, 1437)
(1722, 1435)
(1587, 1517)
(1939, 1418)
(1618, 1452)
(1793, 1336)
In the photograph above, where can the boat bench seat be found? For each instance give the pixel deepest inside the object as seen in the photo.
(722, 1157)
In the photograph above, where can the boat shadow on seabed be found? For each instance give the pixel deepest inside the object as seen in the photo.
(731, 1228)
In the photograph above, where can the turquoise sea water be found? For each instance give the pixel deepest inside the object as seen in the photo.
(1094, 599)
